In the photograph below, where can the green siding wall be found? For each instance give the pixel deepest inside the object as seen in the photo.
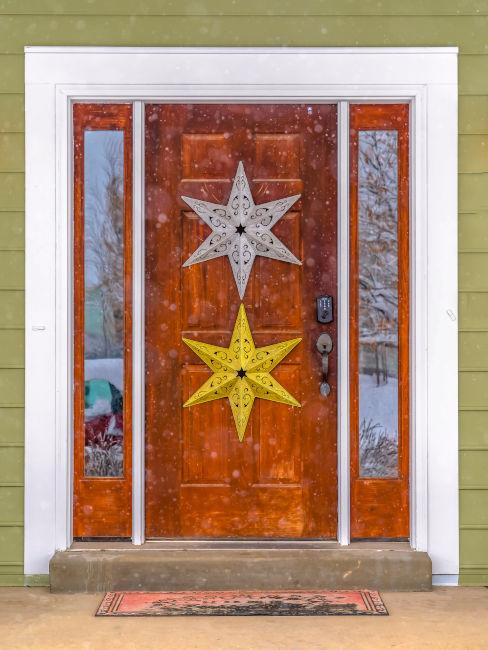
(256, 22)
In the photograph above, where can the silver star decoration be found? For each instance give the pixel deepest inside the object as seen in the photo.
(241, 230)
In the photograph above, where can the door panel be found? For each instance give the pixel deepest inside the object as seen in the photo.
(201, 481)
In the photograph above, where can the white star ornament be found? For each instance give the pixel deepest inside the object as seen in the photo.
(241, 230)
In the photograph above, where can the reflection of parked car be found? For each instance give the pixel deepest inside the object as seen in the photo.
(103, 413)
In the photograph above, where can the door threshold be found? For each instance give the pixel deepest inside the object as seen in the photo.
(241, 545)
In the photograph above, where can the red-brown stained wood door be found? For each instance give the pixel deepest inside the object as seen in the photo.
(281, 481)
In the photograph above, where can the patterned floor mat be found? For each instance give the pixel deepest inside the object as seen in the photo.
(243, 603)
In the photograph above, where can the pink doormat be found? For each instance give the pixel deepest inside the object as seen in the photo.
(242, 603)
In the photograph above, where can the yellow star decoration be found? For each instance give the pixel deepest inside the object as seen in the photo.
(241, 372)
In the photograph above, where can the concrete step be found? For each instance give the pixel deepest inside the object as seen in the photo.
(168, 568)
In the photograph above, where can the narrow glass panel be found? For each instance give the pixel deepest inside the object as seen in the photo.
(378, 303)
(104, 302)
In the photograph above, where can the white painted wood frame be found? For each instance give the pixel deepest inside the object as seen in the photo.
(426, 77)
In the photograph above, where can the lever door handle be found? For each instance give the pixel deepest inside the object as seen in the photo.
(325, 346)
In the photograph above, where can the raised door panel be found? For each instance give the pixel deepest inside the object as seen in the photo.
(277, 297)
(205, 291)
(205, 435)
(278, 450)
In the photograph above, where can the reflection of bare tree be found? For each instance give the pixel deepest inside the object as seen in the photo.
(102, 459)
(104, 242)
(378, 452)
(378, 264)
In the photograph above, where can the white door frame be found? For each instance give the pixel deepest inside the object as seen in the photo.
(426, 77)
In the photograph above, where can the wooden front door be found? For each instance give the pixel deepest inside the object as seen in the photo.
(281, 480)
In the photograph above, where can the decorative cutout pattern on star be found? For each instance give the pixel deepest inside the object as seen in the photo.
(241, 230)
(242, 372)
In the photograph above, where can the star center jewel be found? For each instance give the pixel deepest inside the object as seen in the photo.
(241, 230)
(241, 372)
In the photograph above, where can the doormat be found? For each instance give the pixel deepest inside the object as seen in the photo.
(242, 603)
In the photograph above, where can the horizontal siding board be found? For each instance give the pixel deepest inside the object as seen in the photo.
(11, 504)
(473, 192)
(11, 387)
(473, 271)
(473, 350)
(11, 466)
(10, 568)
(468, 32)
(11, 191)
(11, 230)
(11, 545)
(473, 547)
(473, 114)
(473, 429)
(11, 269)
(473, 578)
(11, 349)
(473, 230)
(474, 468)
(473, 311)
(473, 75)
(473, 391)
(11, 152)
(11, 580)
(473, 154)
(11, 425)
(473, 506)
(243, 7)
(12, 309)
(12, 73)
(12, 118)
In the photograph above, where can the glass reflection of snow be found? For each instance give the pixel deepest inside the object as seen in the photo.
(104, 303)
(378, 304)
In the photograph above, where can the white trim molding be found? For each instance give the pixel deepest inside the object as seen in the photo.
(425, 77)
(343, 438)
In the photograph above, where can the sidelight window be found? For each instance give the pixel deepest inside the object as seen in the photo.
(102, 319)
(379, 320)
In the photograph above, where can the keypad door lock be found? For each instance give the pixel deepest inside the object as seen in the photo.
(325, 309)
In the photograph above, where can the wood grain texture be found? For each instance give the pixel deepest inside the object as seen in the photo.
(380, 507)
(200, 480)
(102, 507)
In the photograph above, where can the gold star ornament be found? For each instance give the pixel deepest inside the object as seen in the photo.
(241, 372)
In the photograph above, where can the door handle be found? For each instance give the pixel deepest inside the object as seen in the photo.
(325, 346)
